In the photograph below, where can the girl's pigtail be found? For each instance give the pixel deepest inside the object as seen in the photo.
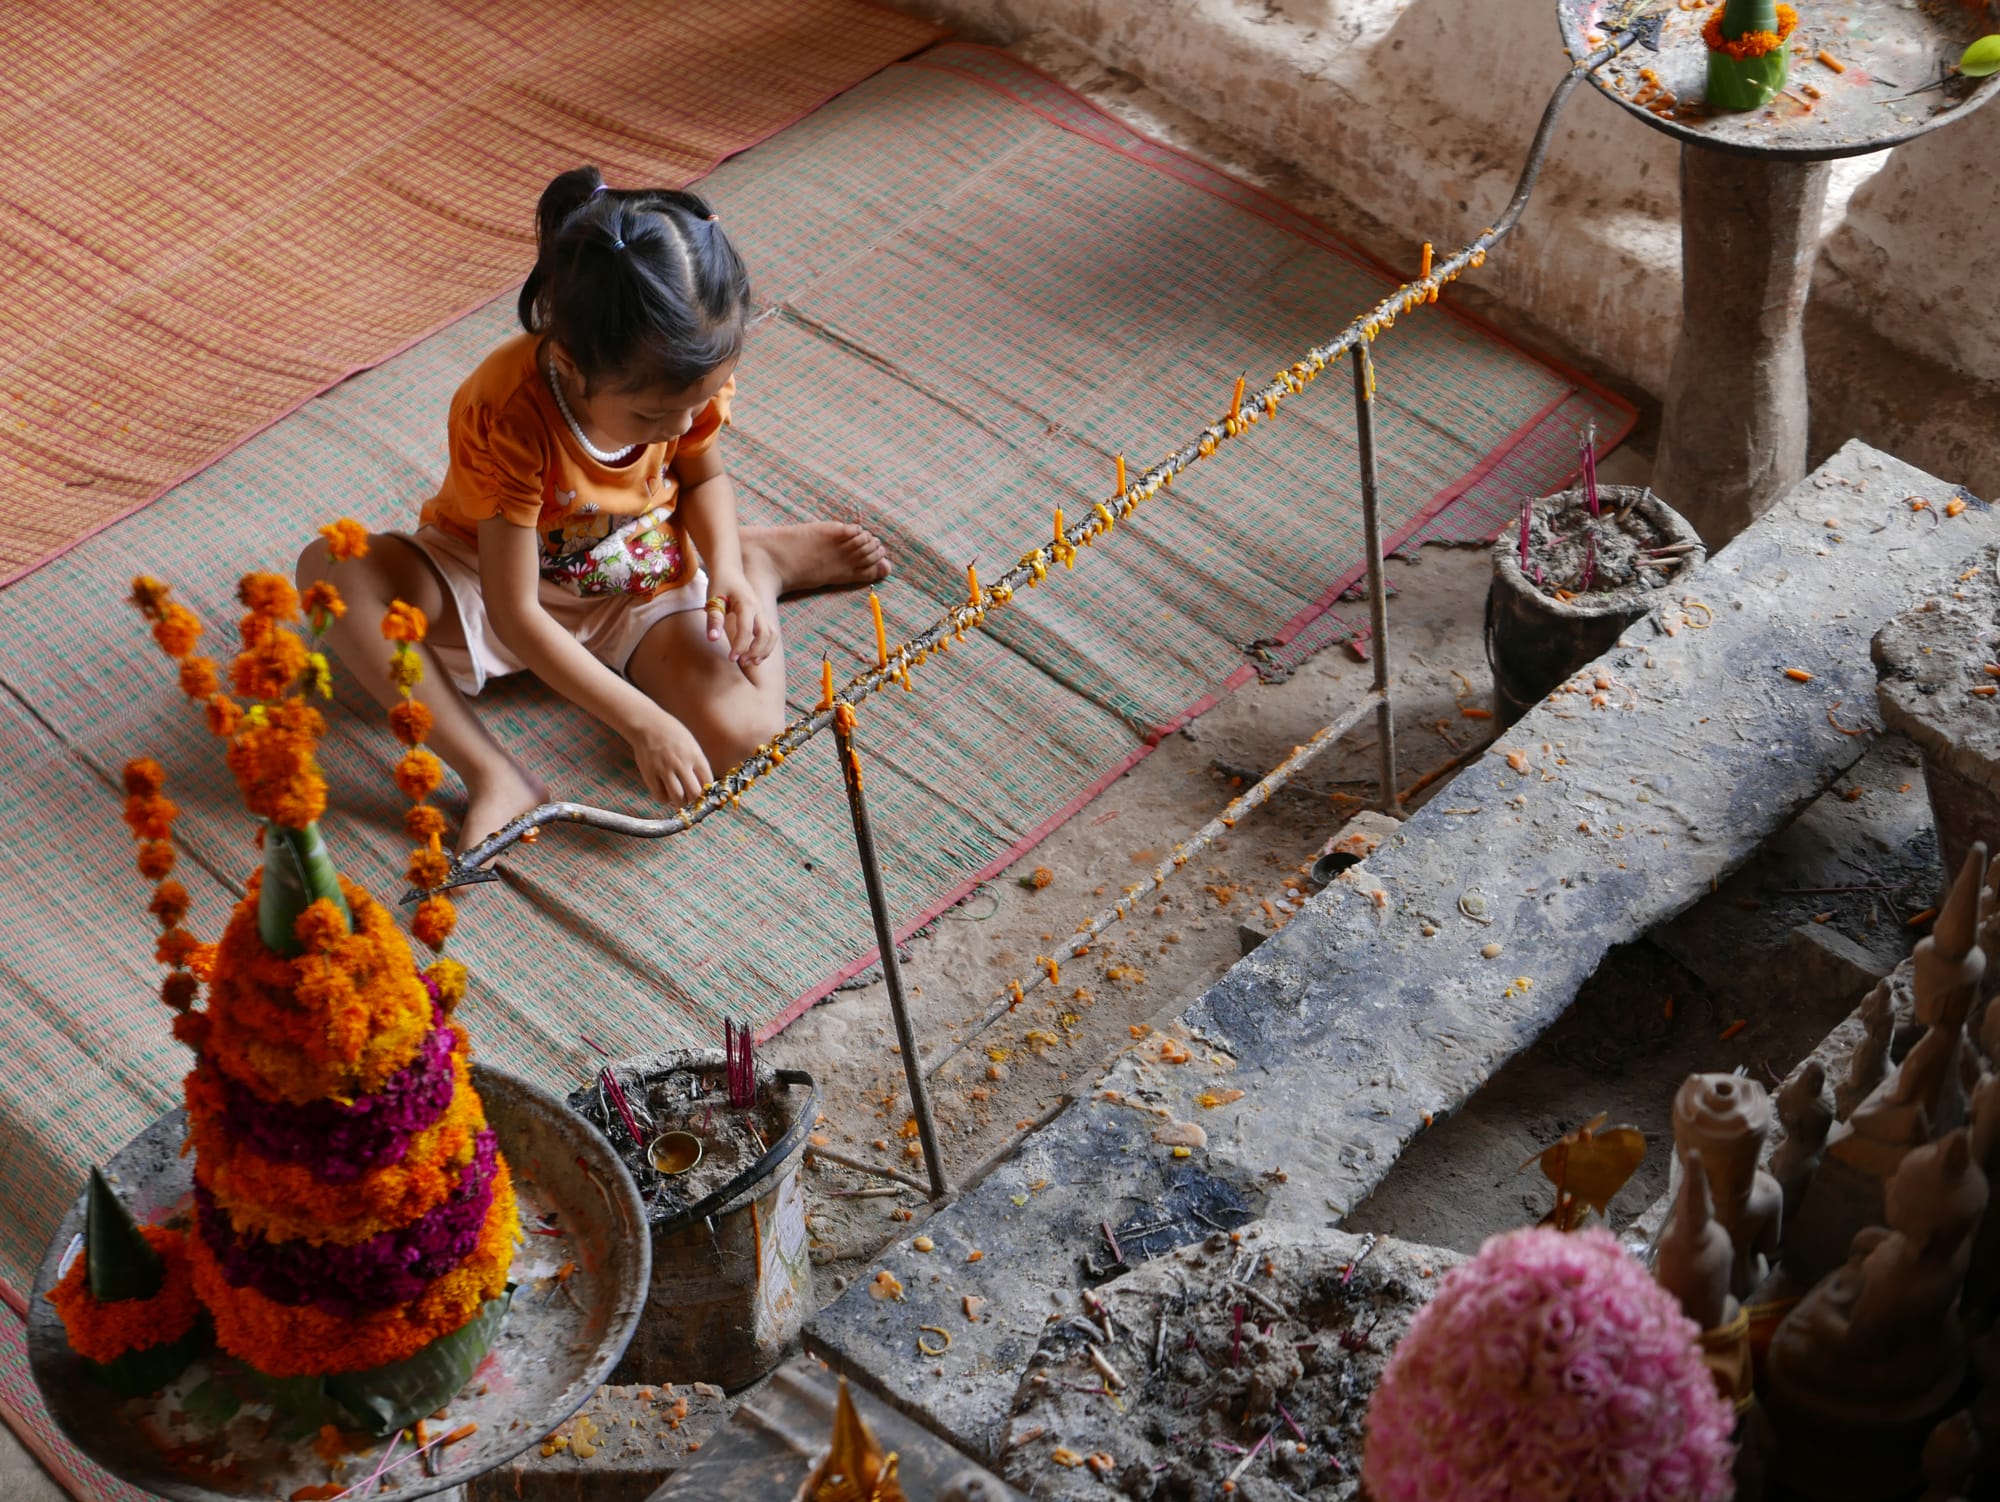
(559, 203)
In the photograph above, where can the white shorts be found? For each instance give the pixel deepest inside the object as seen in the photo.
(610, 627)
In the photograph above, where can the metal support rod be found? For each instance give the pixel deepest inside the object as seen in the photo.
(885, 939)
(1378, 589)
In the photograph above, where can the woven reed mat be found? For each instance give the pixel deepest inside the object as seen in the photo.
(986, 289)
(212, 210)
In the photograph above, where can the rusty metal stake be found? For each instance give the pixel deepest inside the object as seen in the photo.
(1378, 592)
(885, 939)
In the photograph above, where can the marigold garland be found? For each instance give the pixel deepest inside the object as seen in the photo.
(102, 1332)
(319, 1029)
(150, 813)
(1751, 43)
(293, 1341)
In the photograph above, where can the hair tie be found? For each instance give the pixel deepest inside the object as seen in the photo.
(617, 244)
(600, 188)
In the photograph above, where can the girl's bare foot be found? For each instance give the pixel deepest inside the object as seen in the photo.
(493, 799)
(814, 555)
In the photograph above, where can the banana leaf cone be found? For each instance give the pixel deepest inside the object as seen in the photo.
(121, 1264)
(298, 872)
(1747, 83)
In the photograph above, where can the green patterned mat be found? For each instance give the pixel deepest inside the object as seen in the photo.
(985, 289)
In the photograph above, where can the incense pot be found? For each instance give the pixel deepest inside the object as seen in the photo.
(1747, 58)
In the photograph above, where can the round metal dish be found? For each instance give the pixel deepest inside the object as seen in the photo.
(1892, 54)
(578, 1296)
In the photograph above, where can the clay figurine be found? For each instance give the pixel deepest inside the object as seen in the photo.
(1873, 1355)
(1693, 1260)
(1806, 1118)
(1724, 1118)
(1869, 1063)
(1920, 1099)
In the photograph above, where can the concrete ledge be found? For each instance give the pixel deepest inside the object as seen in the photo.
(1376, 1009)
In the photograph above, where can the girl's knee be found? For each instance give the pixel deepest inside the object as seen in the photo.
(313, 563)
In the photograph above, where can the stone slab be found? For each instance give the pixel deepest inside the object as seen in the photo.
(782, 1427)
(621, 1447)
(1376, 1010)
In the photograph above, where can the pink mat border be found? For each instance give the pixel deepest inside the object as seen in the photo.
(939, 33)
(1204, 177)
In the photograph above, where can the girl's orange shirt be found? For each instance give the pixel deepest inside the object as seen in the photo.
(604, 529)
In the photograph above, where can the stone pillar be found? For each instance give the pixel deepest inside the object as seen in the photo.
(1733, 437)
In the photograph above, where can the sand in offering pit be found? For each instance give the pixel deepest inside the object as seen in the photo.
(1251, 1356)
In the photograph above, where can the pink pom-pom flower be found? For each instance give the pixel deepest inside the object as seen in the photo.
(1550, 1366)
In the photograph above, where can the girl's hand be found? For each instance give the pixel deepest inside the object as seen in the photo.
(670, 759)
(751, 634)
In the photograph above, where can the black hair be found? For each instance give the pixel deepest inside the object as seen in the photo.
(640, 286)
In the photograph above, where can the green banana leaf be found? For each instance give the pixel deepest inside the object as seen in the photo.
(137, 1373)
(298, 872)
(1746, 83)
(394, 1397)
(120, 1262)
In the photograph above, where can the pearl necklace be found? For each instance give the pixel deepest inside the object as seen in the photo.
(576, 428)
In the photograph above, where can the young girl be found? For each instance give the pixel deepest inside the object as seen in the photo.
(585, 531)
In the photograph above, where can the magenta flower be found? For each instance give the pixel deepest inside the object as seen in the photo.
(1549, 1366)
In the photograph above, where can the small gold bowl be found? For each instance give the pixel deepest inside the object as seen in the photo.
(674, 1152)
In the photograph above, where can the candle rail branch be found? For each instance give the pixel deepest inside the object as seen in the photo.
(1247, 410)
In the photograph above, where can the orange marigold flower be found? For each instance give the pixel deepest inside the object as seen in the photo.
(199, 679)
(179, 990)
(274, 766)
(150, 595)
(143, 775)
(150, 815)
(177, 630)
(346, 538)
(406, 669)
(175, 945)
(428, 868)
(322, 604)
(320, 927)
(269, 670)
(435, 920)
(104, 1332)
(201, 962)
(169, 904)
(418, 774)
(269, 595)
(404, 622)
(1751, 43)
(156, 859)
(450, 979)
(411, 720)
(422, 822)
(223, 715)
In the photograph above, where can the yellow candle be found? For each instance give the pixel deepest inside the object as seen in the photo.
(972, 582)
(1059, 529)
(1425, 274)
(1121, 477)
(826, 683)
(1236, 402)
(881, 631)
